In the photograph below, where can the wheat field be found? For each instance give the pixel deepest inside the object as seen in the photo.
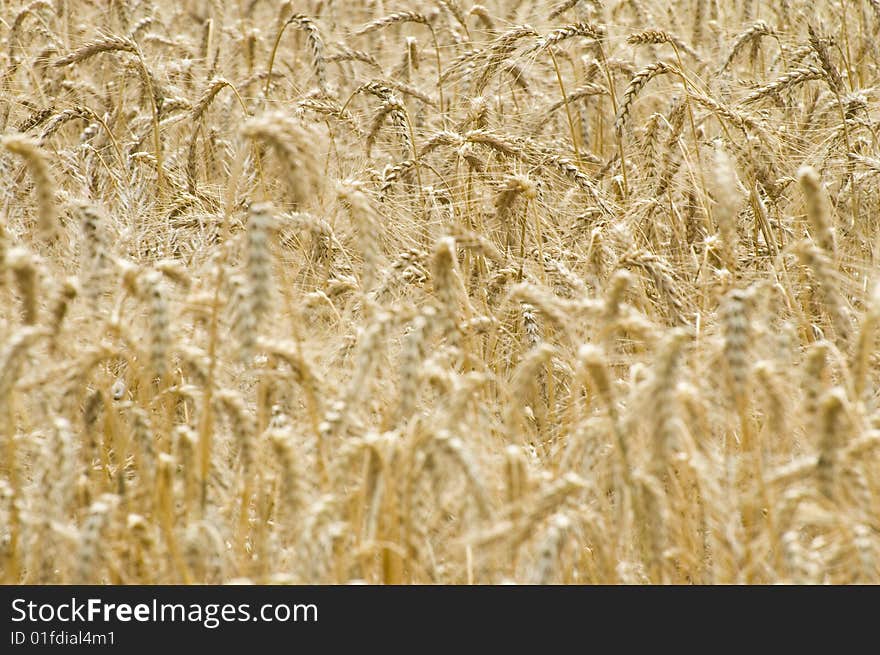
(439, 292)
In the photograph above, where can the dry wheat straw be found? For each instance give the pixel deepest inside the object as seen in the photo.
(636, 84)
(747, 37)
(24, 273)
(785, 82)
(818, 208)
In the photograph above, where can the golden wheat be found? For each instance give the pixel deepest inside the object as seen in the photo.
(439, 292)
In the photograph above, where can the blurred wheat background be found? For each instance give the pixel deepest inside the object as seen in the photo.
(439, 292)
